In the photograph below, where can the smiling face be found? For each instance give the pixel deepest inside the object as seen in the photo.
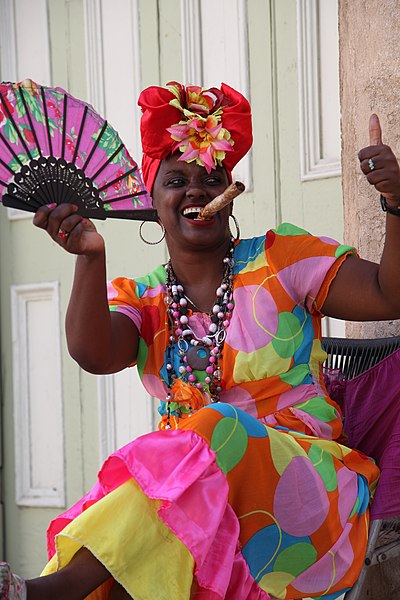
(180, 191)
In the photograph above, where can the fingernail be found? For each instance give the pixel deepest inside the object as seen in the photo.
(75, 206)
(52, 205)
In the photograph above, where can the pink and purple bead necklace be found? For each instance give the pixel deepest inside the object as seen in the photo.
(198, 354)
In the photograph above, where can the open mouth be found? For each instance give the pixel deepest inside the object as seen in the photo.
(192, 213)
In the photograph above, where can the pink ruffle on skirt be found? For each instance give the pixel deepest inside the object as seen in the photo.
(179, 468)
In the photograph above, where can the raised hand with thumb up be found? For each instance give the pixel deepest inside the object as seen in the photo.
(380, 165)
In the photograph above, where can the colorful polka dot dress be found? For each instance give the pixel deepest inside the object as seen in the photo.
(252, 497)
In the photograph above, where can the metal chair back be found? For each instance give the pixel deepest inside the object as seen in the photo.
(354, 356)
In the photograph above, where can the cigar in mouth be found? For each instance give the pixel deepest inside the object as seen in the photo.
(236, 188)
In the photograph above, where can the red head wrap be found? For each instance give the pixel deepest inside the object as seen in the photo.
(209, 126)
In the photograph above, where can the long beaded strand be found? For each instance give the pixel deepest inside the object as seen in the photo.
(198, 353)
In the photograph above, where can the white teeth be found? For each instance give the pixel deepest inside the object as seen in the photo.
(191, 210)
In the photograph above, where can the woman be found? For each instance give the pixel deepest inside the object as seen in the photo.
(245, 492)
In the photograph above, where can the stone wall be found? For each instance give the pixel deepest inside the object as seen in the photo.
(370, 82)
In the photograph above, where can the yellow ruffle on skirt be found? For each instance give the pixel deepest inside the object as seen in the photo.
(245, 509)
(125, 533)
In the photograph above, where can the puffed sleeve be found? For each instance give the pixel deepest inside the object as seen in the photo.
(138, 298)
(123, 297)
(305, 264)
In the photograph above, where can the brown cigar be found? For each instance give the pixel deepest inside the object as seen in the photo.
(236, 188)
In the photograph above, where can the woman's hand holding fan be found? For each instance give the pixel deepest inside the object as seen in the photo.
(57, 149)
(69, 229)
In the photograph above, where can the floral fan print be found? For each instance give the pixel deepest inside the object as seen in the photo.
(56, 148)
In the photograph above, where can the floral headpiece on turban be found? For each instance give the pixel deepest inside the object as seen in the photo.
(208, 126)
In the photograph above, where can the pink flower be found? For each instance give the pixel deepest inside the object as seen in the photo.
(118, 184)
(3, 112)
(195, 99)
(29, 135)
(200, 135)
(70, 145)
(203, 140)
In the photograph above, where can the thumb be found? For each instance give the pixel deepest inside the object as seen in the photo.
(375, 131)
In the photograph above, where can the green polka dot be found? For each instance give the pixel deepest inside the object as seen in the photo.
(295, 376)
(296, 559)
(153, 279)
(342, 249)
(229, 442)
(355, 508)
(289, 335)
(324, 465)
(201, 375)
(319, 408)
(143, 352)
(290, 229)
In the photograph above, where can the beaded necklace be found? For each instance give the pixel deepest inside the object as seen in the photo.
(195, 353)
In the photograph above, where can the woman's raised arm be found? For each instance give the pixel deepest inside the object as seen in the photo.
(362, 290)
(99, 341)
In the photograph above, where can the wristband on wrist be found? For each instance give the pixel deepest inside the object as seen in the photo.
(393, 210)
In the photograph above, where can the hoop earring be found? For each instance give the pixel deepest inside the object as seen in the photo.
(146, 241)
(237, 228)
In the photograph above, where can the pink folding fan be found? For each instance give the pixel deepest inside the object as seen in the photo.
(56, 148)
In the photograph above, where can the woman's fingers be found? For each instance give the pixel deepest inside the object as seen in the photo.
(71, 231)
(67, 226)
(379, 163)
(47, 217)
(375, 131)
(57, 220)
(41, 216)
(375, 158)
(375, 145)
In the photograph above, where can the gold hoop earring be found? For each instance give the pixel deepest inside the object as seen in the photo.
(146, 241)
(237, 228)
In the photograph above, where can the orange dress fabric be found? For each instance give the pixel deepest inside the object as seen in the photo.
(276, 482)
